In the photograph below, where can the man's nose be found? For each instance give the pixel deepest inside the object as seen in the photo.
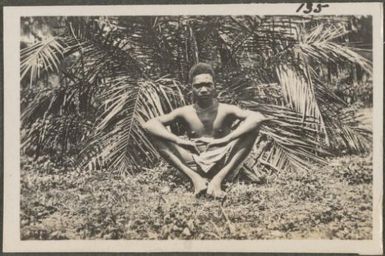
(204, 89)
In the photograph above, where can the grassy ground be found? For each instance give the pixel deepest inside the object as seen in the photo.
(333, 202)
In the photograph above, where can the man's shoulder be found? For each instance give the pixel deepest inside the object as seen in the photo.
(183, 110)
(226, 105)
(235, 107)
(186, 108)
(229, 107)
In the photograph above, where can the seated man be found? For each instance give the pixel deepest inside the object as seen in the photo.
(212, 148)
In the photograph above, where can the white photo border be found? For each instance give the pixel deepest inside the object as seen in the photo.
(11, 226)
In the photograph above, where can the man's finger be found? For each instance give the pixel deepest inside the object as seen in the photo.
(196, 149)
(204, 140)
(211, 144)
(200, 142)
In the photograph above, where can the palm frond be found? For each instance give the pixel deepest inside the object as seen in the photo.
(297, 92)
(42, 56)
(104, 50)
(119, 135)
(347, 136)
(56, 135)
(296, 143)
(319, 45)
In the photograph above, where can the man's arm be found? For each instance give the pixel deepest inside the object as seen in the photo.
(157, 127)
(251, 120)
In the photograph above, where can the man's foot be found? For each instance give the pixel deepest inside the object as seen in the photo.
(200, 186)
(214, 190)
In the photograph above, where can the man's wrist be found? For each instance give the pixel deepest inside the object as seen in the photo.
(229, 137)
(176, 140)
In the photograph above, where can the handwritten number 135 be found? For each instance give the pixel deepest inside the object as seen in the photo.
(309, 8)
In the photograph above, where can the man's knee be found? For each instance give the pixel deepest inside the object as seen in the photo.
(243, 145)
(167, 148)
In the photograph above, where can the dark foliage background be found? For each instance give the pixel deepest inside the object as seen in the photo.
(89, 82)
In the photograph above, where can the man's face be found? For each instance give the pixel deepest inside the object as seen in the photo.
(203, 87)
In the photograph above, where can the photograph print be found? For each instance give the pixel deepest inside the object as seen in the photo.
(196, 127)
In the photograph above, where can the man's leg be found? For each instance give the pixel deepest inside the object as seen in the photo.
(179, 157)
(239, 152)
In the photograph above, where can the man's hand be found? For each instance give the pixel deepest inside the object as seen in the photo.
(219, 142)
(187, 144)
(210, 142)
(203, 140)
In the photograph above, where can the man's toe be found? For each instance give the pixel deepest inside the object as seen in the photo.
(221, 195)
(200, 193)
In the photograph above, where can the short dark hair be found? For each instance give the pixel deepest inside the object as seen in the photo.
(200, 68)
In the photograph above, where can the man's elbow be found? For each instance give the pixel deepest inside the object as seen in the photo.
(259, 118)
(147, 125)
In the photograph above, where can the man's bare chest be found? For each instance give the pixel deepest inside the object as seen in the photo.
(215, 123)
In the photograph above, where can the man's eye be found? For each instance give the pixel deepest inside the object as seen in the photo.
(198, 86)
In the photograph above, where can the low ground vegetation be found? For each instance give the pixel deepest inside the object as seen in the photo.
(332, 202)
